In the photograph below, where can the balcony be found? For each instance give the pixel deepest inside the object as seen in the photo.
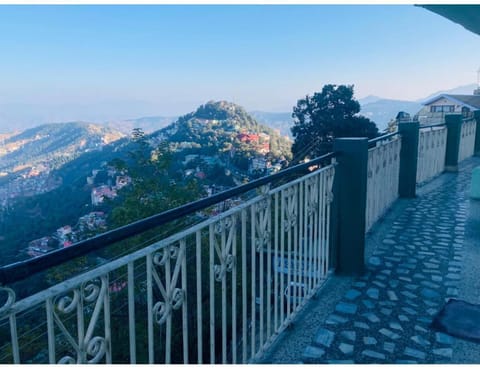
(225, 289)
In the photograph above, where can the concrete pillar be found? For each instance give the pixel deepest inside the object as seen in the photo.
(454, 126)
(476, 150)
(407, 184)
(350, 191)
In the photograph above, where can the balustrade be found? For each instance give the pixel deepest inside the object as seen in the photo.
(432, 146)
(217, 292)
(467, 139)
(382, 178)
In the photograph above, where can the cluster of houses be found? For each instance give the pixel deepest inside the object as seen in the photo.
(67, 235)
(88, 224)
(99, 193)
(34, 181)
(259, 141)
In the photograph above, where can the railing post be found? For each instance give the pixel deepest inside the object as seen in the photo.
(407, 182)
(350, 193)
(454, 130)
(476, 150)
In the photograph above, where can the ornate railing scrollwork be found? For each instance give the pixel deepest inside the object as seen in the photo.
(163, 309)
(96, 348)
(291, 201)
(262, 240)
(90, 291)
(220, 270)
(162, 256)
(9, 301)
(329, 197)
(224, 225)
(66, 360)
(66, 304)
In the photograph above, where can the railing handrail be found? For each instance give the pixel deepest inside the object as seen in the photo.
(21, 270)
(381, 138)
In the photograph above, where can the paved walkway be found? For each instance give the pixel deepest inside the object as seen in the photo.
(416, 264)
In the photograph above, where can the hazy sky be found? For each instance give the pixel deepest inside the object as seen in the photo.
(262, 57)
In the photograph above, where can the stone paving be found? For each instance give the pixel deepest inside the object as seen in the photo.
(385, 316)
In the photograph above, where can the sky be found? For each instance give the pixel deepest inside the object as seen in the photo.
(168, 59)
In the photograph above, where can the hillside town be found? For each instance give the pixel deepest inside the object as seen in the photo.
(87, 225)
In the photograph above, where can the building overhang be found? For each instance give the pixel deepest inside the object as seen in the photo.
(466, 15)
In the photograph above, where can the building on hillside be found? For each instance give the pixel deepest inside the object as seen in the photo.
(40, 246)
(436, 108)
(259, 164)
(260, 141)
(263, 143)
(99, 193)
(122, 181)
(63, 232)
(92, 221)
(248, 137)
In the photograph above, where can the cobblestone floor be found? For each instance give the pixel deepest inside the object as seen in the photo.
(385, 316)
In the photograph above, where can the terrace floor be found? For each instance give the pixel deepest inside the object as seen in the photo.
(422, 253)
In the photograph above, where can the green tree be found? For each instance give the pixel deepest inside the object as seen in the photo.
(318, 119)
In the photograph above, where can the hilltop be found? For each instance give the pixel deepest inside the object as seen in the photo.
(224, 134)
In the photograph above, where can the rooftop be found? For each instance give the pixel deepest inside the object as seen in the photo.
(471, 101)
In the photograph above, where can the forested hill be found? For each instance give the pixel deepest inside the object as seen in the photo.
(223, 129)
(52, 144)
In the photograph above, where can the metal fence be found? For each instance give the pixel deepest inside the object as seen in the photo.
(432, 145)
(382, 177)
(217, 292)
(467, 139)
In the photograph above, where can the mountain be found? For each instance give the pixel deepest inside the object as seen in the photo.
(281, 121)
(52, 145)
(27, 115)
(382, 111)
(146, 124)
(369, 99)
(461, 90)
(226, 132)
(378, 109)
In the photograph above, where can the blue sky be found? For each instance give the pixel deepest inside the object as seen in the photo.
(173, 58)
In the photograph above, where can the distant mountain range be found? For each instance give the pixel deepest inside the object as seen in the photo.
(461, 90)
(381, 111)
(378, 109)
(147, 124)
(278, 121)
(23, 116)
(28, 115)
(54, 144)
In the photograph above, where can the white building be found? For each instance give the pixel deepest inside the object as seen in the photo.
(436, 108)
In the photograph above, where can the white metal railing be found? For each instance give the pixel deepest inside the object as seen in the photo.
(218, 292)
(467, 139)
(382, 178)
(432, 145)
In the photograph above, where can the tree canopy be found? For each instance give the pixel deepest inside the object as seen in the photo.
(318, 119)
